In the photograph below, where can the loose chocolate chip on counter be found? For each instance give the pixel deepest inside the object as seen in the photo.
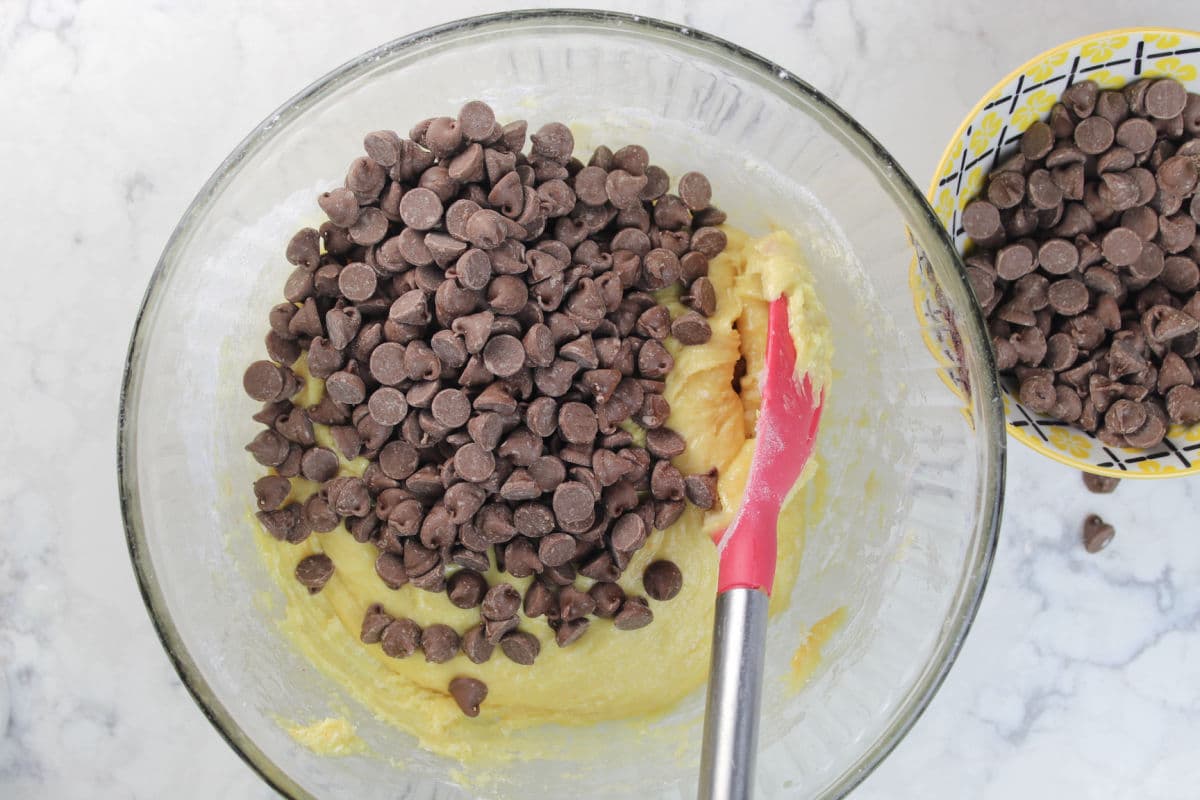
(469, 694)
(1100, 484)
(1097, 534)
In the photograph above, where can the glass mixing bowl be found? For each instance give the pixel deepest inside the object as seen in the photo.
(902, 518)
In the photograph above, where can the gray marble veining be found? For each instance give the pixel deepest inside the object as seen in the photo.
(1078, 680)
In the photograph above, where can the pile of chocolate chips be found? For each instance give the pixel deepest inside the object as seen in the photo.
(1086, 261)
(486, 326)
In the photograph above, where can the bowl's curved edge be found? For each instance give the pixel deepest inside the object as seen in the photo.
(1018, 432)
(184, 665)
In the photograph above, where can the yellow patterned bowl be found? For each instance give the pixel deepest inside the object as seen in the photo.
(990, 133)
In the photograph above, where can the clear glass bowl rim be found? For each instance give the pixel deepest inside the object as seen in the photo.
(904, 192)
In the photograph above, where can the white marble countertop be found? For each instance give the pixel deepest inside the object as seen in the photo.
(1078, 680)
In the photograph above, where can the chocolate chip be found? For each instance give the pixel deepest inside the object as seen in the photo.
(1043, 192)
(695, 191)
(475, 645)
(1068, 297)
(548, 472)
(1006, 189)
(1036, 142)
(1165, 99)
(662, 580)
(401, 638)
(1094, 135)
(1137, 134)
(556, 549)
(1112, 106)
(574, 603)
(553, 141)
(573, 502)
(474, 463)
(1162, 323)
(440, 643)
(398, 460)
(635, 613)
(466, 588)
(701, 296)
(1037, 394)
(319, 464)
(1100, 484)
(314, 572)
(269, 448)
(375, 621)
(501, 602)
(1183, 405)
(690, 328)
(521, 447)
(654, 361)
(504, 355)
(1121, 246)
(1180, 274)
(701, 490)
(268, 382)
(569, 631)
(390, 569)
(1081, 98)
(664, 443)
(1097, 534)
(608, 598)
(469, 693)
(340, 205)
(1173, 372)
(270, 491)
(577, 423)
(521, 647)
(629, 533)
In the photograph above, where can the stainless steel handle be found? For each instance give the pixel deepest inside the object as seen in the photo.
(734, 694)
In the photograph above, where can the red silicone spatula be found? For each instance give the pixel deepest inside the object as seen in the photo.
(784, 436)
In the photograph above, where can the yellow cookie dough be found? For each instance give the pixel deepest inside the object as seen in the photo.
(607, 674)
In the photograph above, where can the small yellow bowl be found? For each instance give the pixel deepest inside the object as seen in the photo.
(990, 133)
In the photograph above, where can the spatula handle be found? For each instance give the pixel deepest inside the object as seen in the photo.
(734, 693)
